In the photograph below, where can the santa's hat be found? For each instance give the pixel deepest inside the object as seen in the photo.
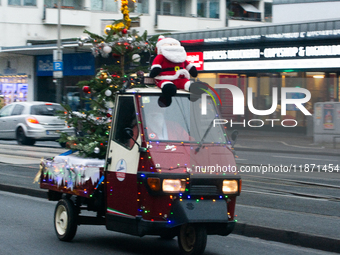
(165, 40)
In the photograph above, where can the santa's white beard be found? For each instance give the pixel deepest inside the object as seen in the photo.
(175, 54)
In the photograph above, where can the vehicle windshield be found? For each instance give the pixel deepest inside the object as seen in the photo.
(46, 109)
(181, 121)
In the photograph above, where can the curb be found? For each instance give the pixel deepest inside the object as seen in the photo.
(23, 191)
(288, 237)
(289, 152)
(270, 234)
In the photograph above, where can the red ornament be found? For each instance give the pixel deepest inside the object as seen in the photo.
(87, 89)
(124, 31)
(108, 115)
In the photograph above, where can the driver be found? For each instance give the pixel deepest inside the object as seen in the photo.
(160, 128)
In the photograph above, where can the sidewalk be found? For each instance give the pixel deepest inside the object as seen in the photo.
(308, 230)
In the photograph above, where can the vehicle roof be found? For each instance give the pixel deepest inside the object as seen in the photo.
(152, 90)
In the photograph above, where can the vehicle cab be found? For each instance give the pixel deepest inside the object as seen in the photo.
(181, 161)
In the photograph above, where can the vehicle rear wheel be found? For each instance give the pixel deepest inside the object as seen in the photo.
(22, 139)
(192, 239)
(65, 220)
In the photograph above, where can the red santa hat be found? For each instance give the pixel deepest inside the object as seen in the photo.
(165, 40)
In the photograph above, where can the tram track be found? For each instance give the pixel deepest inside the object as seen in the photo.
(254, 183)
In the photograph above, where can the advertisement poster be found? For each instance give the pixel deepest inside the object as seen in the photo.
(328, 116)
(8, 92)
(21, 94)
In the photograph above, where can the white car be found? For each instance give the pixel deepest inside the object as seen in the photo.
(28, 122)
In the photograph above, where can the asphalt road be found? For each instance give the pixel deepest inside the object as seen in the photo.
(27, 228)
(309, 200)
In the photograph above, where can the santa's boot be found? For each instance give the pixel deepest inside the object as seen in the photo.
(168, 91)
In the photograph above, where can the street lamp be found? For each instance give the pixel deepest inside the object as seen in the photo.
(58, 61)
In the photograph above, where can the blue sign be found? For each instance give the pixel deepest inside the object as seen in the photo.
(58, 66)
(72, 65)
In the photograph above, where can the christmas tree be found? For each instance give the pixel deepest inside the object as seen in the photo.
(125, 45)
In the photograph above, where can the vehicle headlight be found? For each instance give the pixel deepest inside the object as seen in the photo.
(230, 187)
(173, 185)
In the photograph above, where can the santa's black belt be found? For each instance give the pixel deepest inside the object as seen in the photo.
(176, 68)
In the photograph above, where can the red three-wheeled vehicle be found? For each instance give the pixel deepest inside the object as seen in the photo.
(169, 171)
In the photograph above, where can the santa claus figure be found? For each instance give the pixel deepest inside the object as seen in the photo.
(170, 68)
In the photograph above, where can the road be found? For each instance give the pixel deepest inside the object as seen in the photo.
(27, 228)
(295, 201)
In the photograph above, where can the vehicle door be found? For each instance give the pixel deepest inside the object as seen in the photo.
(4, 117)
(124, 157)
(14, 119)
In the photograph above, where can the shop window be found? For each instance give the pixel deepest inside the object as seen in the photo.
(296, 80)
(208, 9)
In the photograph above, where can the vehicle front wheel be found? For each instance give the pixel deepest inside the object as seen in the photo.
(192, 239)
(65, 220)
(22, 139)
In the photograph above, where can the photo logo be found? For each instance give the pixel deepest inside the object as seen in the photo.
(204, 97)
(239, 103)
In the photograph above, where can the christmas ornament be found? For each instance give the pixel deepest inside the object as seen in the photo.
(87, 89)
(108, 80)
(140, 74)
(124, 31)
(96, 150)
(108, 93)
(107, 29)
(107, 49)
(135, 57)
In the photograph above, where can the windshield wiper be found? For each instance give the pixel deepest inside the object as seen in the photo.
(204, 136)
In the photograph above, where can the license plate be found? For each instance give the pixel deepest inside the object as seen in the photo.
(52, 132)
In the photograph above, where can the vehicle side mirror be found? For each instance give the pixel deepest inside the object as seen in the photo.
(129, 133)
(234, 136)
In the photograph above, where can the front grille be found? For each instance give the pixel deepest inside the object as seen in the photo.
(204, 190)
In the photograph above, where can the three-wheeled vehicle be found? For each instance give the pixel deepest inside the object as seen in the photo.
(169, 171)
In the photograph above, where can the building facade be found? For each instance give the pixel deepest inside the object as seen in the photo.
(29, 32)
(291, 55)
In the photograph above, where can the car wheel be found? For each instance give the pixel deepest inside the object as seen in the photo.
(65, 220)
(22, 139)
(192, 239)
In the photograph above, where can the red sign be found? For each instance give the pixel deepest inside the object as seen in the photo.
(196, 58)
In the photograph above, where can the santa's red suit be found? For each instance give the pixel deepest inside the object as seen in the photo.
(170, 65)
(176, 73)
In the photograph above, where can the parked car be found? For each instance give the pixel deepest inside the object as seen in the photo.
(28, 122)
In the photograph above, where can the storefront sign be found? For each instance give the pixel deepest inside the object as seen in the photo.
(282, 64)
(282, 52)
(196, 58)
(73, 64)
(294, 35)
